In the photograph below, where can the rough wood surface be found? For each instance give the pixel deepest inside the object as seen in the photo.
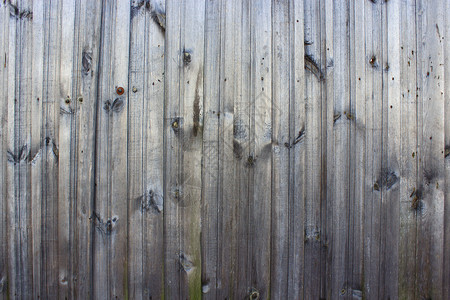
(219, 149)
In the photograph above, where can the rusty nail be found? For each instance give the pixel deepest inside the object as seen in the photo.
(119, 90)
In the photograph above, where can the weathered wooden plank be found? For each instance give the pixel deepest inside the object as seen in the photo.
(430, 213)
(310, 137)
(330, 159)
(23, 138)
(3, 151)
(446, 42)
(210, 170)
(35, 159)
(173, 129)
(409, 157)
(66, 155)
(282, 143)
(241, 133)
(259, 160)
(85, 105)
(12, 248)
(341, 185)
(50, 144)
(391, 150)
(358, 148)
(153, 171)
(297, 120)
(191, 135)
(137, 138)
(111, 222)
(372, 202)
(233, 148)
(17, 63)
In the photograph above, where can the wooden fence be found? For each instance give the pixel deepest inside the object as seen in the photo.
(225, 149)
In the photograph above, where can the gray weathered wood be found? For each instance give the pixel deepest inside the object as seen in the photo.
(191, 135)
(110, 215)
(340, 97)
(153, 107)
(282, 143)
(373, 61)
(446, 46)
(310, 136)
(358, 146)
(224, 149)
(3, 158)
(173, 143)
(84, 105)
(260, 159)
(391, 150)
(430, 213)
(409, 156)
(210, 169)
(295, 285)
(66, 158)
(139, 199)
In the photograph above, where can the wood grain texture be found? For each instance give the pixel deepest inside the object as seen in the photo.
(210, 168)
(110, 216)
(280, 152)
(446, 281)
(430, 76)
(271, 149)
(173, 152)
(3, 160)
(153, 149)
(260, 159)
(409, 155)
(295, 285)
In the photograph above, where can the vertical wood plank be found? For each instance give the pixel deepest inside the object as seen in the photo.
(330, 159)
(282, 143)
(373, 61)
(18, 207)
(110, 216)
(191, 111)
(153, 171)
(210, 170)
(297, 154)
(392, 151)
(85, 105)
(242, 134)
(66, 161)
(311, 139)
(227, 177)
(137, 194)
(233, 149)
(260, 158)
(3, 152)
(13, 287)
(50, 145)
(340, 192)
(430, 76)
(409, 155)
(173, 150)
(358, 148)
(446, 42)
(36, 142)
